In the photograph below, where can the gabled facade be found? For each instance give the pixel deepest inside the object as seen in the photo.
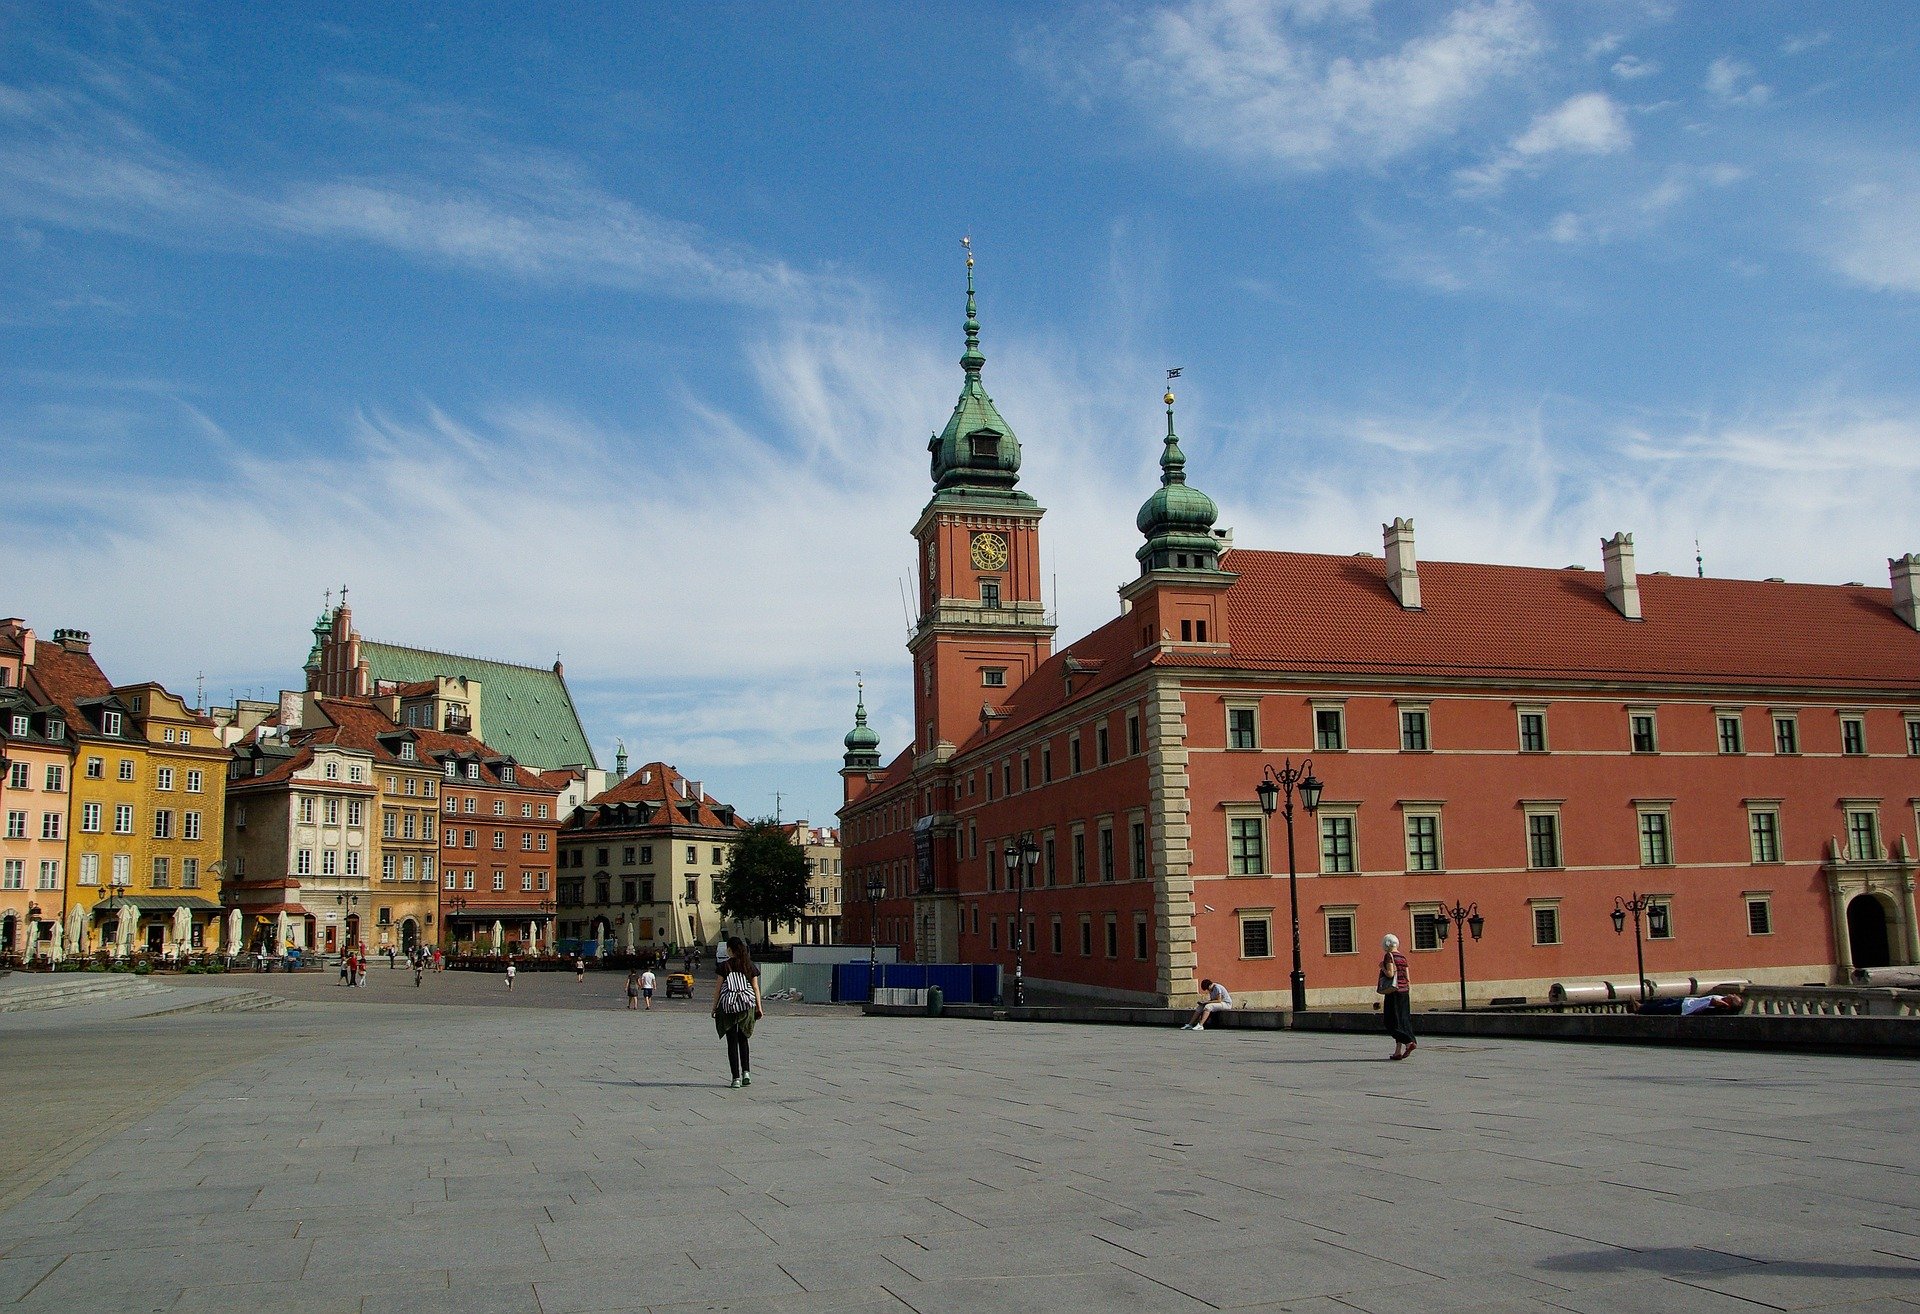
(36, 775)
(1743, 754)
(637, 863)
(299, 842)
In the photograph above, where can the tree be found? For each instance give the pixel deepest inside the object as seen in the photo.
(765, 879)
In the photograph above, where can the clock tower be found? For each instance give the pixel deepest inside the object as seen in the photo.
(983, 626)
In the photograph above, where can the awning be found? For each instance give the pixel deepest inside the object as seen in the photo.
(157, 903)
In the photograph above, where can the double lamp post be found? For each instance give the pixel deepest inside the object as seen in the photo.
(1276, 795)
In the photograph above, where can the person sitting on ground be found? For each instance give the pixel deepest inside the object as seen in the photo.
(1688, 1005)
(1213, 999)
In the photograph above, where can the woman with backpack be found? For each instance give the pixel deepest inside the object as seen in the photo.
(736, 1007)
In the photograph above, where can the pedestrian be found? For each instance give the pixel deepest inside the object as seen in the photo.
(1688, 1005)
(390, 963)
(646, 987)
(346, 967)
(579, 969)
(509, 974)
(1213, 999)
(633, 990)
(418, 972)
(736, 1007)
(1395, 1006)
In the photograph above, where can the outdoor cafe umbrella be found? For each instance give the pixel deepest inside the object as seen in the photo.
(56, 941)
(33, 938)
(629, 935)
(77, 928)
(499, 936)
(280, 933)
(182, 930)
(232, 945)
(129, 919)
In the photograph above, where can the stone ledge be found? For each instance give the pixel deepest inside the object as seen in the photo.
(1884, 1036)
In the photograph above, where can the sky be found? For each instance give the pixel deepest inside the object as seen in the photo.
(615, 332)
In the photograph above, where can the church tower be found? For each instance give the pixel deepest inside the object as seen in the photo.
(983, 625)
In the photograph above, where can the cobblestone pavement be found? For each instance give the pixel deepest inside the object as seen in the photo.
(411, 1157)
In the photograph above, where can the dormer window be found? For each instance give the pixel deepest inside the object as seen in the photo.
(473, 771)
(986, 446)
(110, 723)
(506, 774)
(453, 770)
(406, 752)
(333, 771)
(20, 724)
(56, 729)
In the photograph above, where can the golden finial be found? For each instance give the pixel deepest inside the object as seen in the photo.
(1171, 376)
(967, 242)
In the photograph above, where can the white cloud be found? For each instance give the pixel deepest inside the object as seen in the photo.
(1731, 82)
(1796, 45)
(1293, 85)
(1630, 68)
(1874, 235)
(1588, 124)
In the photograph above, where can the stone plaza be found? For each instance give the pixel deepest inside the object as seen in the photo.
(453, 1147)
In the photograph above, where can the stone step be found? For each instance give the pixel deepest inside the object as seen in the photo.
(66, 989)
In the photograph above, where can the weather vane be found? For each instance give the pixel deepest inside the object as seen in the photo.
(1174, 374)
(967, 242)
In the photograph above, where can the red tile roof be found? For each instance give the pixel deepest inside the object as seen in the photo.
(656, 782)
(66, 678)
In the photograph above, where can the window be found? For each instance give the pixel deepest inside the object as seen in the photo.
(1543, 839)
(89, 869)
(16, 825)
(353, 862)
(1853, 736)
(499, 807)
(189, 825)
(50, 874)
(303, 862)
(1242, 728)
(1786, 734)
(1426, 929)
(1138, 831)
(468, 838)
(1546, 923)
(646, 854)
(1256, 934)
(993, 677)
(333, 811)
(163, 823)
(1079, 856)
(1423, 842)
(1759, 914)
(473, 771)
(1049, 856)
(692, 854)
(356, 810)
(1640, 725)
(333, 771)
(1086, 937)
(466, 880)
(1073, 754)
(1863, 834)
(90, 818)
(22, 725)
(526, 841)
(1913, 737)
(1246, 847)
(499, 880)
(1340, 934)
(406, 750)
(123, 869)
(329, 863)
(389, 824)
(452, 770)
(15, 875)
(470, 805)
(355, 774)
(1336, 843)
(96, 768)
(1106, 851)
(50, 825)
(1664, 929)
(305, 810)
(57, 776)
(1133, 734)
(126, 768)
(526, 810)
(1100, 753)
(1656, 841)
(989, 593)
(499, 839)
(389, 864)
(1329, 729)
(161, 876)
(1763, 827)
(110, 724)
(193, 782)
(1113, 936)
(1535, 732)
(719, 858)
(18, 775)
(1413, 730)
(1046, 763)
(1139, 938)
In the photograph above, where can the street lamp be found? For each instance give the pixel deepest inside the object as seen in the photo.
(876, 886)
(349, 929)
(1469, 916)
(1656, 923)
(455, 907)
(1021, 857)
(1271, 788)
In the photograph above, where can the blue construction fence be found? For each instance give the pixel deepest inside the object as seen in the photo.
(961, 983)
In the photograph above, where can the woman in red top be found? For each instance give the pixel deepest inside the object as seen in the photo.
(1394, 1004)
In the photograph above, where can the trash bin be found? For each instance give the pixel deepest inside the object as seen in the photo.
(936, 1000)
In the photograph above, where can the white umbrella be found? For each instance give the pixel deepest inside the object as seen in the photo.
(232, 946)
(499, 934)
(280, 933)
(630, 930)
(182, 931)
(129, 922)
(77, 928)
(33, 938)
(57, 942)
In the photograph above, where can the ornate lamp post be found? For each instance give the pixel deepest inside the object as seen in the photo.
(1021, 857)
(1272, 788)
(1656, 923)
(455, 906)
(876, 886)
(349, 929)
(1469, 917)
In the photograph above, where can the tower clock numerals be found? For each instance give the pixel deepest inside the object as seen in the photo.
(989, 551)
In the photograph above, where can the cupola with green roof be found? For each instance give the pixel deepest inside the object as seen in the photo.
(863, 743)
(1178, 519)
(976, 456)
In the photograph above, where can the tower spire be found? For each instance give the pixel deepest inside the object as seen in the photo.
(971, 360)
(1173, 461)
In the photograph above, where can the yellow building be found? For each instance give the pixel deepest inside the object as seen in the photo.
(146, 805)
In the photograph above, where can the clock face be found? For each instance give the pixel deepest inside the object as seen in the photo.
(989, 551)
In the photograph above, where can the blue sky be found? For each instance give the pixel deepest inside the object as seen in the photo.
(618, 335)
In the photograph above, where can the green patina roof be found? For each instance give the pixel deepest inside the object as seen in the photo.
(1177, 516)
(525, 711)
(976, 455)
(863, 743)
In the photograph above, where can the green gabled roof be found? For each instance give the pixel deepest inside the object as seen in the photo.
(525, 711)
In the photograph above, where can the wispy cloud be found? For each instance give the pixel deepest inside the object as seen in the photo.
(1587, 124)
(1302, 85)
(1731, 82)
(1871, 234)
(1631, 68)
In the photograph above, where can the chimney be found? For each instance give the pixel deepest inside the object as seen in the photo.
(559, 669)
(1906, 587)
(1403, 571)
(78, 642)
(292, 709)
(1623, 586)
(695, 791)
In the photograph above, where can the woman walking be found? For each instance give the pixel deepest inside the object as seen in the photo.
(736, 1007)
(1395, 1007)
(633, 989)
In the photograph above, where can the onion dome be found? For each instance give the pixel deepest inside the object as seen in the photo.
(1177, 520)
(863, 744)
(977, 452)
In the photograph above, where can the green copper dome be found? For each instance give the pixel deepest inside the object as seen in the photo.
(1177, 520)
(863, 744)
(321, 629)
(976, 453)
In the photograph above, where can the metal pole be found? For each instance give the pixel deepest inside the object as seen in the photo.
(1299, 978)
(1639, 955)
(1020, 936)
(873, 945)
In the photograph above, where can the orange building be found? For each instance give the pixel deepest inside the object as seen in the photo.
(1741, 756)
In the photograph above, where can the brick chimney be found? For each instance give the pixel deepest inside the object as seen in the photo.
(78, 642)
(1403, 571)
(1906, 587)
(1623, 585)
